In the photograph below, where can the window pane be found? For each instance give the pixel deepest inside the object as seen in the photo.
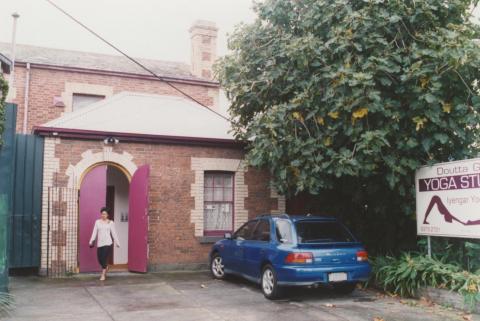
(219, 180)
(208, 217)
(208, 195)
(228, 181)
(218, 217)
(228, 194)
(262, 231)
(284, 231)
(218, 194)
(245, 232)
(80, 100)
(209, 180)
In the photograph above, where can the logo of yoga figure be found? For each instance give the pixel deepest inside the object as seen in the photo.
(447, 216)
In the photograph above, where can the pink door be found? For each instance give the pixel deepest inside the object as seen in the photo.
(138, 221)
(93, 193)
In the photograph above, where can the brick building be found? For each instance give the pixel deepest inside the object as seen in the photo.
(114, 135)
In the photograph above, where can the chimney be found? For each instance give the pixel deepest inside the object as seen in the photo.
(203, 36)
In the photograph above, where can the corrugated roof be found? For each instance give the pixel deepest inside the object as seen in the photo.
(96, 61)
(138, 113)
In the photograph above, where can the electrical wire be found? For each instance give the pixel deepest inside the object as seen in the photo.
(134, 60)
(140, 64)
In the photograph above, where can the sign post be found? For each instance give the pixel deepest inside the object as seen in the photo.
(448, 200)
(429, 246)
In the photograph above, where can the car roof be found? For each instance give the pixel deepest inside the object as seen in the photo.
(296, 218)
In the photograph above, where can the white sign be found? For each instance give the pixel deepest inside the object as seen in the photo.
(448, 199)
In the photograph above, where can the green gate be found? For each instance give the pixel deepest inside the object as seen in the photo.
(7, 153)
(25, 222)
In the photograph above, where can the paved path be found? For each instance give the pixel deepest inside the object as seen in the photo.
(196, 297)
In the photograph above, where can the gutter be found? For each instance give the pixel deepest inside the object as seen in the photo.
(207, 83)
(136, 138)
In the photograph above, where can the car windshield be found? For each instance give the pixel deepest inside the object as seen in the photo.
(322, 232)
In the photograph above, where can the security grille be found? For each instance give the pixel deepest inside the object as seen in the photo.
(62, 231)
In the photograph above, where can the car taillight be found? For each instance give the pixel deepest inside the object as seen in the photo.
(362, 256)
(302, 258)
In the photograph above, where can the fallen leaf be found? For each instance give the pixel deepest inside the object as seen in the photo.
(467, 317)
(329, 305)
(426, 302)
(378, 319)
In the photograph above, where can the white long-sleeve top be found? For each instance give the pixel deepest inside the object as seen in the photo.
(103, 232)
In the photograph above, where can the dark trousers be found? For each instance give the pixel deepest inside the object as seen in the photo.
(103, 253)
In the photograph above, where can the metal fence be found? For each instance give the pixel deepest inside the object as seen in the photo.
(25, 221)
(62, 231)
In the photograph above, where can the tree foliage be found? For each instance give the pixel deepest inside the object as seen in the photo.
(346, 98)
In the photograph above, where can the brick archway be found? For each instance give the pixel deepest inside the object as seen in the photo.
(69, 219)
(89, 160)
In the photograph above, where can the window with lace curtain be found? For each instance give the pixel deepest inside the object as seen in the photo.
(218, 203)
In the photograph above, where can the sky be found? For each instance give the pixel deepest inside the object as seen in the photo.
(156, 29)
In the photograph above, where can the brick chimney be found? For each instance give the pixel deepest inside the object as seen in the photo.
(203, 36)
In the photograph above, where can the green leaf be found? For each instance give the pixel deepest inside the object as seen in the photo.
(430, 98)
(394, 19)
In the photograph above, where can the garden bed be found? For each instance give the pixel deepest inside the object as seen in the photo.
(446, 298)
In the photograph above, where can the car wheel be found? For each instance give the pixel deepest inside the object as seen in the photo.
(217, 268)
(344, 288)
(269, 285)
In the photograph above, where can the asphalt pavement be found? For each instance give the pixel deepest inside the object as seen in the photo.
(196, 297)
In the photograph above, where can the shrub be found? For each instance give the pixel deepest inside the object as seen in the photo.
(6, 303)
(405, 274)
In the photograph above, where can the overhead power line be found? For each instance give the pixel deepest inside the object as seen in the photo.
(135, 61)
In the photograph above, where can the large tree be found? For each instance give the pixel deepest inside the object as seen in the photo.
(346, 98)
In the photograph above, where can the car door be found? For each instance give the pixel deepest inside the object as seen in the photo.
(237, 251)
(257, 248)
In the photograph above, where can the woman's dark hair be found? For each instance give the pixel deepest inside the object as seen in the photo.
(105, 209)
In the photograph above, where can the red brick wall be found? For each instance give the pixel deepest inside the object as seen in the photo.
(171, 235)
(46, 84)
(259, 200)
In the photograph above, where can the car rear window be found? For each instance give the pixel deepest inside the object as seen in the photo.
(322, 232)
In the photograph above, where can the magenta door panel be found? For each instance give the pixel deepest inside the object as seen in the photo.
(138, 220)
(93, 193)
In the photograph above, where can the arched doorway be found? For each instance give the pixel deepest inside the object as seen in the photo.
(109, 184)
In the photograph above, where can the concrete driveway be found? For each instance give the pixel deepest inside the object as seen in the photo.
(196, 297)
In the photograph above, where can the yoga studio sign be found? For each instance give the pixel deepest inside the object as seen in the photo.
(448, 199)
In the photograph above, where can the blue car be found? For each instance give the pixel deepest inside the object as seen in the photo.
(283, 250)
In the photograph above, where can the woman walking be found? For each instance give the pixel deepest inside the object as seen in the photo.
(103, 232)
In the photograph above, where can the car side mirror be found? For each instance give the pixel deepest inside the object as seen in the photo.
(228, 236)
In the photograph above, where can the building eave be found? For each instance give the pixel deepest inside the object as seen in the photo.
(137, 138)
(207, 83)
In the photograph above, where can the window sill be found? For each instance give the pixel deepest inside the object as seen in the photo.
(209, 239)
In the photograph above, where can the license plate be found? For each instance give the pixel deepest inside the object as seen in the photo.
(337, 277)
